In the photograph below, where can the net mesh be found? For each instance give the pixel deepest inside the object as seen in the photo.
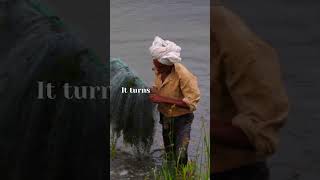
(131, 114)
(46, 138)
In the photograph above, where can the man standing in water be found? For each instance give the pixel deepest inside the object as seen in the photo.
(250, 104)
(177, 93)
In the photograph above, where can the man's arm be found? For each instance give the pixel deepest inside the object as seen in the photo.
(229, 135)
(190, 90)
(161, 99)
(257, 91)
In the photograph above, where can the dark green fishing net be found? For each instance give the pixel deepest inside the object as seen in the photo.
(131, 113)
(48, 139)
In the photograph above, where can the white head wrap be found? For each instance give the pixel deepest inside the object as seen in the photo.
(165, 51)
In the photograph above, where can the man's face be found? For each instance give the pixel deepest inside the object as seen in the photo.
(161, 68)
(157, 64)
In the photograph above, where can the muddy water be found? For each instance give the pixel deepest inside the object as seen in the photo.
(133, 27)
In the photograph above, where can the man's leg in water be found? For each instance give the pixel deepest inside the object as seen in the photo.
(176, 137)
(167, 134)
(182, 130)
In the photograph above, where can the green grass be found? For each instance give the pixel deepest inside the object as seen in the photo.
(191, 171)
(113, 144)
(196, 169)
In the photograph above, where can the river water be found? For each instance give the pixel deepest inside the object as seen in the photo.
(133, 27)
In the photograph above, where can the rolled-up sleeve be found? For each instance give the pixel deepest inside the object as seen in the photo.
(190, 90)
(255, 85)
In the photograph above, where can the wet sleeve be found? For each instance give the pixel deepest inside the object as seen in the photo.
(256, 88)
(190, 90)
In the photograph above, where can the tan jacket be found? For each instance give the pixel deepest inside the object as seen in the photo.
(246, 89)
(180, 84)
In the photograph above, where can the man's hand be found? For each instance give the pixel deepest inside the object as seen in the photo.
(155, 98)
(229, 135)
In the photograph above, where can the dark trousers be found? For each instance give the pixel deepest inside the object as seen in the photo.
(257, 171)
(176, 136)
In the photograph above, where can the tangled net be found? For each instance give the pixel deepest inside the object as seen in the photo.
(131, 114)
